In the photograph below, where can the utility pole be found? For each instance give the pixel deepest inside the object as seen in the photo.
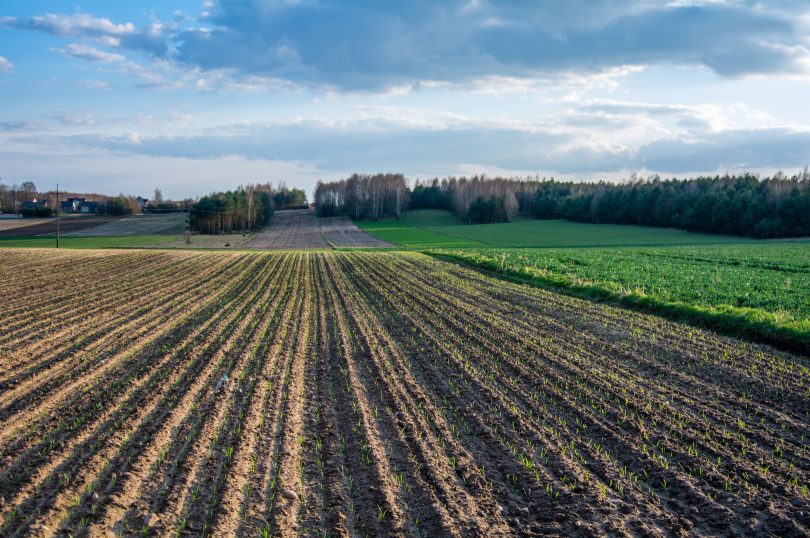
(57, 215)
(188, 225)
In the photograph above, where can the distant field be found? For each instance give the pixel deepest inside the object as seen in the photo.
(753, 289)
(422, 228)
(46, 227)
(87, 242)
(14, 224)
(205, 241)
(426, 218)
(290, 229)
(428, 228)
(342, 232)
(399, 232)
(144, 225)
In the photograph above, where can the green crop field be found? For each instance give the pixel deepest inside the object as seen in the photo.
(401, 232)
(430, 228)
(749, 289)
(133, 241)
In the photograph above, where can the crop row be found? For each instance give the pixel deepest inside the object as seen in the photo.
(754, 291)
(352, 394)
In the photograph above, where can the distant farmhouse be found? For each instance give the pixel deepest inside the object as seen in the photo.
(33, 204)
(80, 205)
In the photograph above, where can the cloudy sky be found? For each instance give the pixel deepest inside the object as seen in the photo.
(194, 96)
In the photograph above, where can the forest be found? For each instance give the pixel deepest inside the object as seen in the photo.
(244, 209)
(286, 198)
(363, 196)
(247, 208)
(777, 206)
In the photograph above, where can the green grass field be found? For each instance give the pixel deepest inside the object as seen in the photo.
(134, 241)
(430, 228)
(757, 290)
(402, 233)
(740, 286)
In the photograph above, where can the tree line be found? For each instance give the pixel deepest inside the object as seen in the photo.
(777, 206)
(744, 204)
(244, 209)
(363, 196)
(476, 200)
(286, 198)
(247, 208)
(13, 197)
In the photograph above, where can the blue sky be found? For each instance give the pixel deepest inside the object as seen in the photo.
(196, 96)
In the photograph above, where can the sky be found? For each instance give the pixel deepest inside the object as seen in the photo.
(195, 96)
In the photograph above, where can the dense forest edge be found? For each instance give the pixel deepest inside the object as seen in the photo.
(246, 209)
(753, 324)
(744, 205)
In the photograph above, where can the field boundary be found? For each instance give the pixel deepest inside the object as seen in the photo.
(748, 323)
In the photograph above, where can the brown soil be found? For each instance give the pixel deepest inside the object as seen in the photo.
(373, 394)
(12, 224)
(66, 225)
(342, 232)
(299, 229)
(290, 229)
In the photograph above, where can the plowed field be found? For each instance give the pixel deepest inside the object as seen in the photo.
(290, 229)
(351, 394)
(48, 226)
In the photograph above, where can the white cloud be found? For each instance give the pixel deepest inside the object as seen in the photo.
(177, 177)
(699, 117)
(5, 64)
(94, 84)
(84, 52)
(104, 31)
(478, 44)
(73, 119)
(80, 24)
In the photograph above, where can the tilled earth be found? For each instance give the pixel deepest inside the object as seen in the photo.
(299, 229)
(290, 229)
(376, 394)
(342, 232)
(48, 226)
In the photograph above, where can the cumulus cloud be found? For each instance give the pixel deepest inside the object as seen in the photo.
(92, 84)
(19, 126)
(83, 52)
(733, 149)
(439, 147)
(372, 45)
(136, 174)
(76, 25)
(692, 117)
(5, 64)
(105, 31)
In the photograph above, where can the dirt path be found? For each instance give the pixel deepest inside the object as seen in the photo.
(374, 394)
(300, 229)
(342, 232)
(290, 229)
